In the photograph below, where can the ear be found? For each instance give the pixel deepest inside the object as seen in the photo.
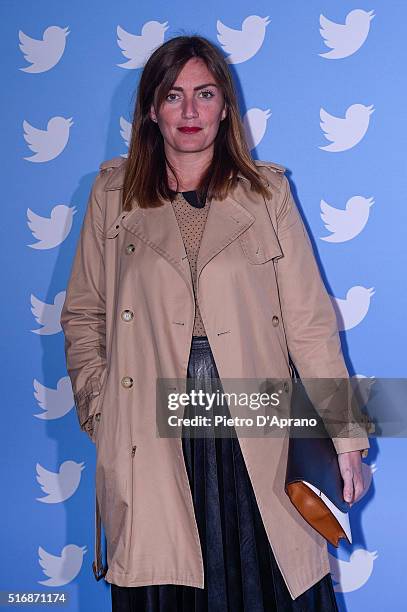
(153, 116)
(224, 113)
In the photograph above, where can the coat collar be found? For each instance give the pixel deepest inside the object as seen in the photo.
(117, 168)
(158, 227)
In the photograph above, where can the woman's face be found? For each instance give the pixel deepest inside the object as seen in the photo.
(194, 101)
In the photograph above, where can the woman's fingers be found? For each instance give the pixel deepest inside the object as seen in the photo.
(348, 489)
(351, 471)
(358, 484)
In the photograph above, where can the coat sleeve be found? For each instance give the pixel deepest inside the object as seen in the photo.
(83, 317)
(308, 315)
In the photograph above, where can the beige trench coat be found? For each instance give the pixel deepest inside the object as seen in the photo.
(128, 319)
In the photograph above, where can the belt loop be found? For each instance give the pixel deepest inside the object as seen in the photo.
(99, 570)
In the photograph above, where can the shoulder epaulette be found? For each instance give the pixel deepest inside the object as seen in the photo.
(272, 165)
(115, 162)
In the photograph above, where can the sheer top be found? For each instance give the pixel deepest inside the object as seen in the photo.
(191, 215)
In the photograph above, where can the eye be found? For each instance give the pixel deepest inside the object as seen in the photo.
(207, 94)
(207, 91)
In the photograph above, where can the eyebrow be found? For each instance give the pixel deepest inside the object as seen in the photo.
(196, 88)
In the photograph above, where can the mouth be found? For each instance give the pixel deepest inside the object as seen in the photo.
(189, 130)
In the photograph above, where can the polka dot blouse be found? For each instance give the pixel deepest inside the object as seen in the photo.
(191, 216)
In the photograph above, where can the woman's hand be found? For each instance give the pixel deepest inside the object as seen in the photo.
(350, 465)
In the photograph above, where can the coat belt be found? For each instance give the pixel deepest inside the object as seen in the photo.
(99, 569)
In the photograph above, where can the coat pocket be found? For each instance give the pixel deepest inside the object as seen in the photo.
(260, 246)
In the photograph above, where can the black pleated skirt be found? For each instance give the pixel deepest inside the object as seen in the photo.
(241, 573)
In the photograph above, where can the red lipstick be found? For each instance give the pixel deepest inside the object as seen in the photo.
(189, 130)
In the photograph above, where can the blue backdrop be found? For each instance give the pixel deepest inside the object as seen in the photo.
(322, 91)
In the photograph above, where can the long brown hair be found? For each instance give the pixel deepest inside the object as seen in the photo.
(145, 177)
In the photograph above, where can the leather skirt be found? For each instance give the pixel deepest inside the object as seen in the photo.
(241, 573)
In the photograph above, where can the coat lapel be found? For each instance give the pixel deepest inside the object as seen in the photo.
(158, 228)
(226, 220)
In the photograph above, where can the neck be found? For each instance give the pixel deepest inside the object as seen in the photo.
(189, 168)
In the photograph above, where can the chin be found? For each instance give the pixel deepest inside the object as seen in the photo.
(191, 147)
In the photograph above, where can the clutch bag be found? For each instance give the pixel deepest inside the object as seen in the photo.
(313, 480)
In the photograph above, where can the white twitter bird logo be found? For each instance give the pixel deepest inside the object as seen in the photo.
(242, 44)
(138, 49)
(51, 231)
(55, 403)
(48, 315)
(43, 54)
(345, 133)
(345, 39)
(353, 574)
(348, 223)
(125, 131)
(353, 309)
(63, 569)
(255, 125)
(47, 144)
(59, 486)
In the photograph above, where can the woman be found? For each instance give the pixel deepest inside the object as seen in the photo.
(175, 277)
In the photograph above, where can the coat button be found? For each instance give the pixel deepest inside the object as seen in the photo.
(127, 382)
(130, 248)
(127, 315)
(97, 416)
(275, 321)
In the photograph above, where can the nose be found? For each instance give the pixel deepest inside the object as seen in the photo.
(189, 108)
